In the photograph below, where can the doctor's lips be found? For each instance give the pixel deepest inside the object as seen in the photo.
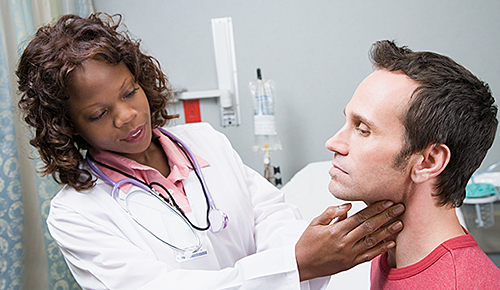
(135, 136)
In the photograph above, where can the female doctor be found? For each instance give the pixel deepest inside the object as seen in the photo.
(148, 208)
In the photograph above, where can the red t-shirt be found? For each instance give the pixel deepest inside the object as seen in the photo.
(458, 263)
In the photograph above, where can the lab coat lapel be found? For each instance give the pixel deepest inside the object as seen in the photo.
(198, 216)
(196, 199)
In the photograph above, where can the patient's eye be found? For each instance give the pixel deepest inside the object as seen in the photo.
(363, 129)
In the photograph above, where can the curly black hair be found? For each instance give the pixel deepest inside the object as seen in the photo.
(44, 71)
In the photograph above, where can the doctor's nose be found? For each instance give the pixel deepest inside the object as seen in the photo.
(125, 114)
(338, 143)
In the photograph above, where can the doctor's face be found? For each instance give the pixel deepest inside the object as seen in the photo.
(365, 148)
(109, 109)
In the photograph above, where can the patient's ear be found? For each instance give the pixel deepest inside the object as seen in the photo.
(430, 162)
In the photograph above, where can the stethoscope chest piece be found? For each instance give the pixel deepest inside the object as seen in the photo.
(218, 220)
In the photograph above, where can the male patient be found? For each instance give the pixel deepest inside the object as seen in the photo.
(416, 129)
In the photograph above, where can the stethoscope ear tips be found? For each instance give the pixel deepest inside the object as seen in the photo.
(218, 220)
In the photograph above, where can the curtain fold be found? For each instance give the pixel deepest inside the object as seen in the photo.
(11, 205)
(20, 186)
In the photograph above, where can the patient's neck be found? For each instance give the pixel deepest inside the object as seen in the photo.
(426, 225)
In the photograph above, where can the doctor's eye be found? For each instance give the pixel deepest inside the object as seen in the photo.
(132, 93)
(98, 117)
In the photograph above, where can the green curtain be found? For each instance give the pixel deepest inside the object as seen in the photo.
(23, 18)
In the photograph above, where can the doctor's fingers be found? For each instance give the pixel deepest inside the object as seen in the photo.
(371, 219)
(371, 253)
(377, 242)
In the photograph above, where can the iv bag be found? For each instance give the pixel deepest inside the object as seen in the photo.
(264, 123)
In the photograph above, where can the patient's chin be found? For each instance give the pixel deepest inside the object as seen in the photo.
(343, 192)
(345, 197)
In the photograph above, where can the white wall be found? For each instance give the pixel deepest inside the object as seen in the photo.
(315, 51)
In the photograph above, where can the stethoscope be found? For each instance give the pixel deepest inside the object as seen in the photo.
(217, 220)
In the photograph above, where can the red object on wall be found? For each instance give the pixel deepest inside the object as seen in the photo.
(192, 110)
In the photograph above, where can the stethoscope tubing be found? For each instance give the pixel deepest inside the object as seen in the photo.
(213, 213)
(197, 167)
(211, 208)
(116, 186)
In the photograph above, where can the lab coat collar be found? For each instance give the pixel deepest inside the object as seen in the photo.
(178, 162)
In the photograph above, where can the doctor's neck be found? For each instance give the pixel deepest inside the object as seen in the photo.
(154, 156)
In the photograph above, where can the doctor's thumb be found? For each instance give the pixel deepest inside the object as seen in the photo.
(332, 213)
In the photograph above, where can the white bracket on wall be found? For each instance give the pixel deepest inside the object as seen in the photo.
(225, 60)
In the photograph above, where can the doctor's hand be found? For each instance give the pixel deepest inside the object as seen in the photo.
(327, 248)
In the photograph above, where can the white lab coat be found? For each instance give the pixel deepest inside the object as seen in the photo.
(106, 249)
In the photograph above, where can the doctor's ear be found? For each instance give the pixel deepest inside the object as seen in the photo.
(430, 163)
(74, 132)
(71, 127)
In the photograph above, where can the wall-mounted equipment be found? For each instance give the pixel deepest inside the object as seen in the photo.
(225, 60)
